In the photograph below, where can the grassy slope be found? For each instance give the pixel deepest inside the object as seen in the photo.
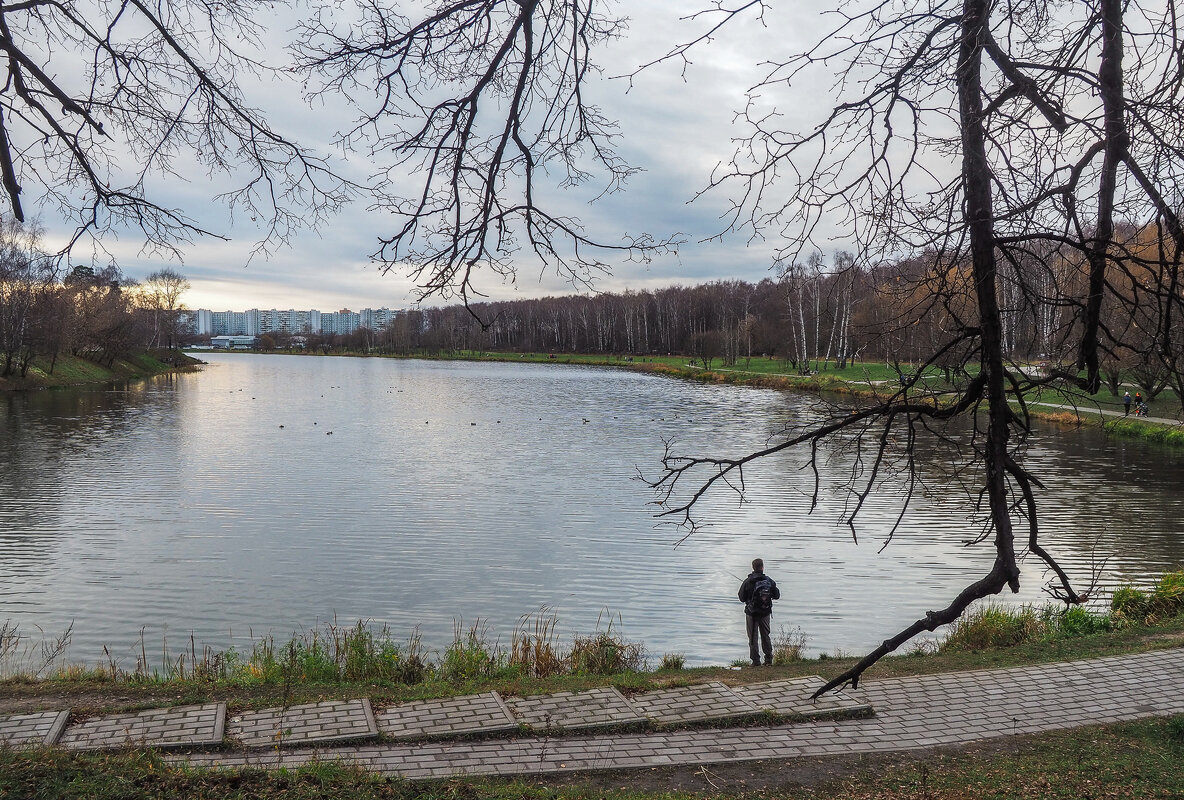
(76, 371)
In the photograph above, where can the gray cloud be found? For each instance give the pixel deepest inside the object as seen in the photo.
(676, 130)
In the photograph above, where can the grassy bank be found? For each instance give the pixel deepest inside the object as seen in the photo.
(78, 371)
(1143, 759)
(333, 661)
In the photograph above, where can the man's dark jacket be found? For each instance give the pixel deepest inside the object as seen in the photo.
(747, 591)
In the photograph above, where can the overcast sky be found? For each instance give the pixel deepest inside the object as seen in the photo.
(675, 131)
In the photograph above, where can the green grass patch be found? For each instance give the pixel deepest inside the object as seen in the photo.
(1165, 600)
(80, 371)
(1135, 428)
(993, 626)
(1132, 760)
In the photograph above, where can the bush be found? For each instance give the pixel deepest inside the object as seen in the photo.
(672, 661)
(470, 655)
(1077, 621)
(787, 646)
(1164, 601)
(991, 626)
(1129, 602)
(605, 653)
(1169, 592)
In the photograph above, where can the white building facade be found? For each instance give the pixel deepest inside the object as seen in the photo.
(255, 322)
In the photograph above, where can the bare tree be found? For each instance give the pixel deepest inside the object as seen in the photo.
(482, 103)
(162, 291)
(26, 276)
(969, 142)
(1035, 153)
(102, 95)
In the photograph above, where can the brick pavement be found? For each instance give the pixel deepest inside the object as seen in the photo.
(32, 729)
(791, 698)
(575, 710)
(450, 716)
(180, 726)
(694, 704)
(909, 713)
(329, 721)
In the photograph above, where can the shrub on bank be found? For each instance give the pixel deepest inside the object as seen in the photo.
(992, 625)
(1164, 601)
(361, 653)
(672, 662)
(788, 646)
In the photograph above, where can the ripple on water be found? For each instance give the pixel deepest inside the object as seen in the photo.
(451, 490)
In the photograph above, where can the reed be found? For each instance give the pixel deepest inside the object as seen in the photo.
(1162, 601)
(471, 655)
(605, 652)
(788, 646)
(534, 651)
(672, 662)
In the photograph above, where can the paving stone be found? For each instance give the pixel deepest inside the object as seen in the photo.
(179, 726)
(42, 728)
(330, 721)
(791, 698)
(693, 704)
(475, 713)
(959, 708)
(594, 708)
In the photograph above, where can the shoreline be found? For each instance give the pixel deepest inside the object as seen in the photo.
(73, 372)
(1072, 411)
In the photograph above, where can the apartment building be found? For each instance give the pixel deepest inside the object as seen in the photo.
(254, 322)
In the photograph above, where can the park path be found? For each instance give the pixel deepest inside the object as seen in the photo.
(914, 712)
(1110, 413)
(540, 735)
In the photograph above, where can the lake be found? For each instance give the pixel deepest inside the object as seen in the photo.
(268, 494)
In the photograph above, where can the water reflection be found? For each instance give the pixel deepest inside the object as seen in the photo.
(269, 492)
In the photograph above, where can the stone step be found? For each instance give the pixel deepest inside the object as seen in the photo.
(700, 703)
(474, 714)
(31, 730)
(791, 698)
(570, 711)
(179, 726)
(480, 714)
(311, 723)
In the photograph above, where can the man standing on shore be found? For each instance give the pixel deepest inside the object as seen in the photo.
(757, 593)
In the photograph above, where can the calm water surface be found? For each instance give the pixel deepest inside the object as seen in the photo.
(266, 494)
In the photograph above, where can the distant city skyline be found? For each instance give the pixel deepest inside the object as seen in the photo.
(256, 321)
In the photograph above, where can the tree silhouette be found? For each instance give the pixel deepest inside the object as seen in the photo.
(482, 103)
(102, 95)
(997, 153)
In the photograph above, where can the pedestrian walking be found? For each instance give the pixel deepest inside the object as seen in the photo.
(1126, 403)
(757, 593)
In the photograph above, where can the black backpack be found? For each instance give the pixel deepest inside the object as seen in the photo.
(761, 602)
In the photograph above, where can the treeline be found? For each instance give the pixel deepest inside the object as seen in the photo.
(904, 311)
(47, 309)
(814, 312)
